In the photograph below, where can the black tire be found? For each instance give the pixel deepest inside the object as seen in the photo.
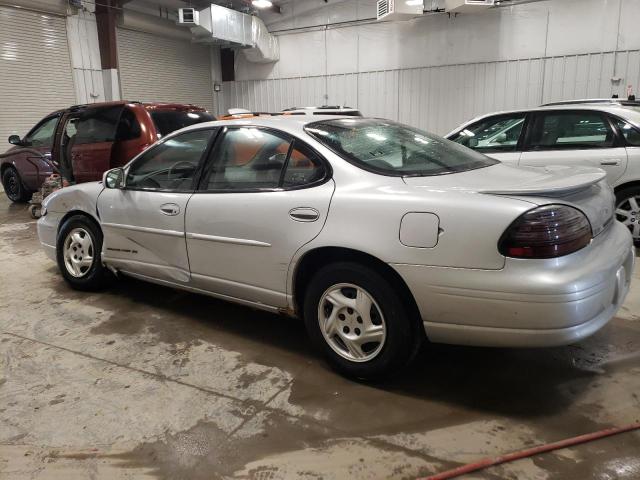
(622, 196)
(13, 186)
(404, 332)
(95, 276)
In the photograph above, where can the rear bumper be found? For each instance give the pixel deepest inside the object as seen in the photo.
(528, 303)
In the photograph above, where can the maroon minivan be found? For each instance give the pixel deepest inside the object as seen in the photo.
(84, 141)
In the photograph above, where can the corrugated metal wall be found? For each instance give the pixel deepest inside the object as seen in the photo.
(154, 68)
(441, 97)
(35, 70)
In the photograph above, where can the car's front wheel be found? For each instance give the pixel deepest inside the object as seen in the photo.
(78, 252)
(360, 321)
(13, 186)
(628, 211)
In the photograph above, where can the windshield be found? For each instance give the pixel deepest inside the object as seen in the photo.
(168, 121)
(389, 148)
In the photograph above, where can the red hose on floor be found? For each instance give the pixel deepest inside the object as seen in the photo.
(510, 457)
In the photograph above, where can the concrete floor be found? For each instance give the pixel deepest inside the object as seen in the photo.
(142, 381)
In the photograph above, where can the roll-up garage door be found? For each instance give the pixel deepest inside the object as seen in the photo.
(35, 70)
(164, 69)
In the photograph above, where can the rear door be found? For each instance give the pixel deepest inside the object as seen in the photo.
(573, 138)
(143, 223)
(498, 136)
(265, 196)
(91, 145)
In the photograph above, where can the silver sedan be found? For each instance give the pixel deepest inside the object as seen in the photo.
(378, 235)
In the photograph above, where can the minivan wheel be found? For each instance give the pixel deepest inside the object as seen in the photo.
(78, 253)
(13, 186)
(628, 211)
(360, 322)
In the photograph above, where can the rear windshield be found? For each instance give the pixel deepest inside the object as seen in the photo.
(168, 121)
(390, 148)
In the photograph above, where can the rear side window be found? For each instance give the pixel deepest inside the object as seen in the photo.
(630, 133)
(571, 130)
(167, 121)
(97, 125)
(128, 127)
(303, 167)
(491, 135)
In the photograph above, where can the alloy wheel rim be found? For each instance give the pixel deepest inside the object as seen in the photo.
(351, 322)
(78, 252)
(628, 212)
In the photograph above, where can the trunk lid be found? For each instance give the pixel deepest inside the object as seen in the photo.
(582, 187)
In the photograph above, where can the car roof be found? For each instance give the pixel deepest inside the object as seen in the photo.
(146, 105)
(287, 123)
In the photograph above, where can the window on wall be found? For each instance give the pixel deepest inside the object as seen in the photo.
(571, 130)
(494, 134)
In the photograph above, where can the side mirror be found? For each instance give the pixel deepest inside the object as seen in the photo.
(15, 140)
(113, 178)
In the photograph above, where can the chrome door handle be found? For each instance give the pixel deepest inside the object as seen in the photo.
(304, 214)
(610, 162)
(170, 209)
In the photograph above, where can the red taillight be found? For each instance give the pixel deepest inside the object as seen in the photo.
(546, 232)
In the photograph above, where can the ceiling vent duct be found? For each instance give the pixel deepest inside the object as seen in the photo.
(398, 10)
(229, 28)
(467, 6)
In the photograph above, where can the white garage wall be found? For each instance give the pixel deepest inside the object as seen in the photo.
(35, 70)
(435, 72)
(155, 68)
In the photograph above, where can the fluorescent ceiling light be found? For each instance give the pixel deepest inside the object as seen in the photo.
(262, 3)
(414, 3)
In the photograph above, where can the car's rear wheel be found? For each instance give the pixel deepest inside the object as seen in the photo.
(628, 211)
(360, 321)
(78, 252)
(13, 186)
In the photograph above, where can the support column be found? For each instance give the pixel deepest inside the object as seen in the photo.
(106, 19)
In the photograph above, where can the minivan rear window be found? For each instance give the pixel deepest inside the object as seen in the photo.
(168, 121)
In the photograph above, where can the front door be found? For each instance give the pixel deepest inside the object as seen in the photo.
(265, 196)
(33, 159)
(575, 138)
(143, 223)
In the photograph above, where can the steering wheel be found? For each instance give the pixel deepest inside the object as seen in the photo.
(177, 164)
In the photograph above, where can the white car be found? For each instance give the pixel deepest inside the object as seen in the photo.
(377, 234)
(599, 133)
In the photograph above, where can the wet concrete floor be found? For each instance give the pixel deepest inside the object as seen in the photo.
(142, 381)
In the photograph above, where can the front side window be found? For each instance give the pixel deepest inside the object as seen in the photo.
(630, 133)
(390, 148)
(248, 158)
(171, 165)
(97, 125)
(491, 135)
(571, 130)
(42, 135)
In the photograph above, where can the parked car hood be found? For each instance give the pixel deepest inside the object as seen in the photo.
(510, 180)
